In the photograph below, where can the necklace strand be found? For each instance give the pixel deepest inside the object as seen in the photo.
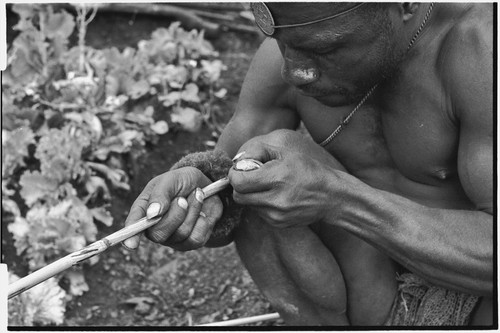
(347, 118)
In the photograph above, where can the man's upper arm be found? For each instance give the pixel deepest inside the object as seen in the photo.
(468, 74)
(264, 103)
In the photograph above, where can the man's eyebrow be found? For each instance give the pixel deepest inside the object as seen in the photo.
(319, 41)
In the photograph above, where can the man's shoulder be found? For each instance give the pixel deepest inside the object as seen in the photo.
(467, 48)
(471, 31)
(465, 61)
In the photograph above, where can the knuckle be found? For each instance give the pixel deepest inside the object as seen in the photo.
(237, 186)
(274, 216)
(281, 137)
(156, 236)
(196, 240)
(281, 204)
(182, 233)
(238, 198)
(141, 201)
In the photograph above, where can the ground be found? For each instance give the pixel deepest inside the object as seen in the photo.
(157, 286)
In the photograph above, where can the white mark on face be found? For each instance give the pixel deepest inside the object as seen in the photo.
(305, 74)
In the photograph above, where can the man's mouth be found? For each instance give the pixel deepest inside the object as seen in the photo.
(313, 92)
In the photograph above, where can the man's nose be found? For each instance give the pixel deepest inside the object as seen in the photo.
(297, 69)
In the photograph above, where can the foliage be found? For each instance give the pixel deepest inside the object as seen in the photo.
(43, 304)
(66, 129)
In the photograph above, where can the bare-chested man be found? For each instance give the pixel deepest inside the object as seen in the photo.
(383, 217)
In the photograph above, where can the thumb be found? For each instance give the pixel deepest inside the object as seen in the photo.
(259, 150)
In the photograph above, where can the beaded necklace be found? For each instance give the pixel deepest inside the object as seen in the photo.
(347, 118)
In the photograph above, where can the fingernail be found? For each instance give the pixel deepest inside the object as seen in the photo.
(238, 156)
(153, 210)
(130, 244)
(182, 203)
(199, 195)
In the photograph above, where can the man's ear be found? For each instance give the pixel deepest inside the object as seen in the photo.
(408, 9)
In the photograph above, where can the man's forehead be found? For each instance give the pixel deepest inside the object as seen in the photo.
(285, 13)
(281, 15)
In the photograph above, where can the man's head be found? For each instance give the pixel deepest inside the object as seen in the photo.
(336, 52)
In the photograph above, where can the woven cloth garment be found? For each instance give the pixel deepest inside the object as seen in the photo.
(420, 303)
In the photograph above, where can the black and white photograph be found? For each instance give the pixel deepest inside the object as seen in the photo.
(267, 165)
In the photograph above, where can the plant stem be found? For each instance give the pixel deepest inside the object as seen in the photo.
(82, 22)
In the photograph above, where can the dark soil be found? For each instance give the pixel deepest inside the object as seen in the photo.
(157, 286)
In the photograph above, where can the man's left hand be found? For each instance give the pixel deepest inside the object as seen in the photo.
(290, 189)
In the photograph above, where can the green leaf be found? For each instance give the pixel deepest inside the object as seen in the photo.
(28, 57)
(190, 93)
(160, 127)
(77, 284)
(81, 215)
(15, 149)
(20, 230)
(138, 89)
(212, 69)
(176, 76)
(43, 304)
(26, 13)
(35, 186)
(102, 215)
(60, 151)
(58, 25)
(170, 99)
(189, 119)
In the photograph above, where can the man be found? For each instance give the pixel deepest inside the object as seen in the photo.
(389, 220)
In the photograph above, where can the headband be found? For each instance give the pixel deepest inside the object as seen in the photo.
(265, 21)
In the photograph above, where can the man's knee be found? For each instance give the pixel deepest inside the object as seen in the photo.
(291, 266)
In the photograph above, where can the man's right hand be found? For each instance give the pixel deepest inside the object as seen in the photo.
(188, 217)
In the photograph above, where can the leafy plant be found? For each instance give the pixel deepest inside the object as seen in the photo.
(70, 116)
(43, 304)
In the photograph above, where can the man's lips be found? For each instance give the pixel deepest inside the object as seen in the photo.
(312, 93)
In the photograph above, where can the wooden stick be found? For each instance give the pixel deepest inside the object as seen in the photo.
(213, 6)
(97, 247)
(188, 18)
(243, 321)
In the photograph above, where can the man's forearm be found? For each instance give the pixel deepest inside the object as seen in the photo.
(451, 248)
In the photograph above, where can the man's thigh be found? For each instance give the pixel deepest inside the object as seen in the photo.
(320, 265)
(294, 271)
(370, 275)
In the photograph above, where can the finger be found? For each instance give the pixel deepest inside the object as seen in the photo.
(199, 234)
(169, 223)
(211, 211)
(213, 208)
(176, 183)
(195, 201)
(137, 211)
(256, 199)
(258, 149)
(132, 243)
(258, 180)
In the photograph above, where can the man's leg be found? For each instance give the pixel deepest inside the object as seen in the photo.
(369, 274)
(308, 282)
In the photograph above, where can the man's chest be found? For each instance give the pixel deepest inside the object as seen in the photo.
(412, 152)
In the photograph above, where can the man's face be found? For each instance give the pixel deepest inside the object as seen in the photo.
(338, 60)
